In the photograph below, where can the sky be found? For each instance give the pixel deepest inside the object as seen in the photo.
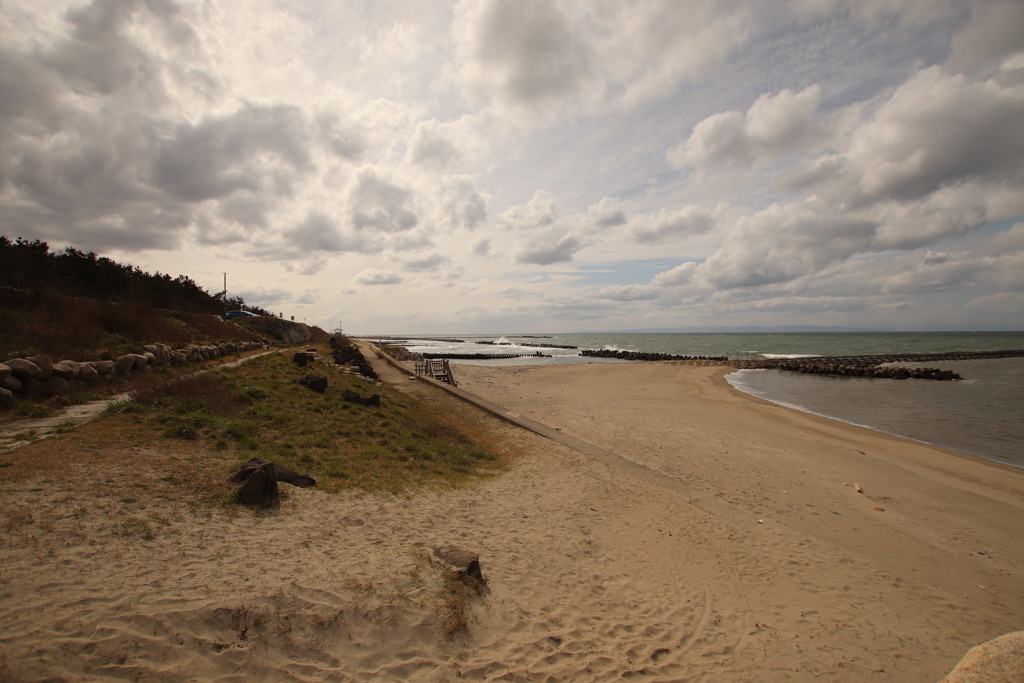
(501, 166)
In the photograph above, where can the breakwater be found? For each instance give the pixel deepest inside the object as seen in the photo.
(640, 355)
(874, 366)
(536, 346)
(878, 366)
(870, 371)
(482, 356)
(879, 359)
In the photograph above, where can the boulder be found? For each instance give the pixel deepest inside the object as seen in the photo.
(11, 383)
(6, 399)
(24, 369)
(104, 367)
(5, 372)
(352, 397)
(317, 383)
(161, 353)
(998, 661)
(301, 358)
(124, 364)
(32, 388)
(87, 372)
(66, 369)
(44, 363)
(56, 386)
(139, 360)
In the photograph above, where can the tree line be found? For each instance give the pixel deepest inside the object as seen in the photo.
(29, 264)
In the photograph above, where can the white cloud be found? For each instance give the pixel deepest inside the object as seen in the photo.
(785, 242)
(380, 206)
(520, 52)
(774, 126)
(431, 148)
(374, 277)
(935, 130)
(626, 293)
(539, 211)
(531, 57)
(995, 33)
(676, 277)
(548, 248)
(667, 225)
(606, 213)
(461, 204)
(428, 263)
(317, 234)
(257, 149)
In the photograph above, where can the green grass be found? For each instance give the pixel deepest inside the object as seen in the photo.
(260, 410)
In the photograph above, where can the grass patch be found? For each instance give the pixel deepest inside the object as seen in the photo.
(259, 410)
(64, 427)
(31, 409)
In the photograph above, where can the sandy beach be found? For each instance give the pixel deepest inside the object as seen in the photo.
(706, 535)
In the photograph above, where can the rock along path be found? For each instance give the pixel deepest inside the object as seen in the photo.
(22, 432)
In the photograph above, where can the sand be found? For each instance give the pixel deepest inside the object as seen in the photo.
(705, 535)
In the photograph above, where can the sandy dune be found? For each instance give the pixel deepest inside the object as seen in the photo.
(732, 545)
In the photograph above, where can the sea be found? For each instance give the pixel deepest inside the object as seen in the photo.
(981, 415)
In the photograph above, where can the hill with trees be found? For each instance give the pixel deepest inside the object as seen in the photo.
(31, 265)
(72, 304)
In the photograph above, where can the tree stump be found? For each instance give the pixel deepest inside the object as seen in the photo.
(462, 562)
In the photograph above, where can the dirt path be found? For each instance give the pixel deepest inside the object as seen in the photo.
(21, 432)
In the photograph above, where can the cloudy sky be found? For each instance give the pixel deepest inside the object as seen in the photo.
(533, 165)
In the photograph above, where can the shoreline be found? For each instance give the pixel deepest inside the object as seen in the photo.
(808, 411)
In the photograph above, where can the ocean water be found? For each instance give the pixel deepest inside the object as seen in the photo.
(982, 415)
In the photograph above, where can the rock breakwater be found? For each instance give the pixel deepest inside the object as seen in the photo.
(639, 355)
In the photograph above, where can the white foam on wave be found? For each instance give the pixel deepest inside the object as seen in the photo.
(787, 356)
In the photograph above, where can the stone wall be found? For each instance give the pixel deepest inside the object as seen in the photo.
(41, 377)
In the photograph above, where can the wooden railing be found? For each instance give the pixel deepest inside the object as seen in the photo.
(438, 368)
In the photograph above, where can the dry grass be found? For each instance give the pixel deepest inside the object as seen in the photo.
(86, 329)
(453, 611)
(260, 410)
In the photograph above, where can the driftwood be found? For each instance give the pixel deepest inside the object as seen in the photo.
(258, 479)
